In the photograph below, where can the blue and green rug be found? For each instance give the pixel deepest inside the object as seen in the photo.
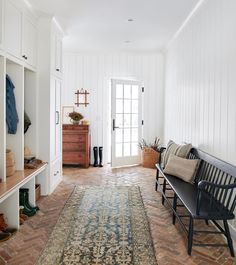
(102, 226)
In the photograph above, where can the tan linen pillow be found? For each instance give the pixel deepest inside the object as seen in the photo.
(182, 168)
(175, 149)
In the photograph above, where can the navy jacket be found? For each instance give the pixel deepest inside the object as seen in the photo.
(11, 112)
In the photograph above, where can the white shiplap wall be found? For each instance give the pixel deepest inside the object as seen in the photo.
(201, 81)
(94, 73)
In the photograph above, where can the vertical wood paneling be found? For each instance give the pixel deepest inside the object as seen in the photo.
(95, 71)
(201, 81)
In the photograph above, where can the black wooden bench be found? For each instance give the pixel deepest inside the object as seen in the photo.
(211, 197)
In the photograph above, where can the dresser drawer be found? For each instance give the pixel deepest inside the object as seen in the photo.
(73, 138)
(70, 147)
(73, 158)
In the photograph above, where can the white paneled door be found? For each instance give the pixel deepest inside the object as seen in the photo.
(126, 109)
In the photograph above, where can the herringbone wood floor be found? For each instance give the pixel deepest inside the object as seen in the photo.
(169, 240)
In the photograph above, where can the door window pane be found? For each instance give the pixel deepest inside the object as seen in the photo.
(134, 120)
(127, 120)
(119, 91)
(118, 150)
(134, 92)
(126, 149)
(134, 135)
(119, 120)
(127, 91)
(119, 135)
(134, 106)
(134, 149)
(127, 106)
(119, 106)
(127, 135)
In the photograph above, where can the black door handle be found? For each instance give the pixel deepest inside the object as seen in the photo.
(114, 125)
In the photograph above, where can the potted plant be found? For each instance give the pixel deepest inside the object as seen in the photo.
(75, 117)
(150, 152)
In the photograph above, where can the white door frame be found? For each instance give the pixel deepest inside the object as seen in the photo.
(124, 160)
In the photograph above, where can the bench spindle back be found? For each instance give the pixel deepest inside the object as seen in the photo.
(218, 172)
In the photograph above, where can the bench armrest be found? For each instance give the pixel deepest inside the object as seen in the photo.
(203, 184)
(212, 190)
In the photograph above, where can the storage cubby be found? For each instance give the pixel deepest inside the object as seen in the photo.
(15, 142)
(10, 208)
(31, 186)
(30, 107)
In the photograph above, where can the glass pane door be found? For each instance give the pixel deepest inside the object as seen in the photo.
(126, 122)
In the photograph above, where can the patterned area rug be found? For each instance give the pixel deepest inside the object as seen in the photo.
(102, 226)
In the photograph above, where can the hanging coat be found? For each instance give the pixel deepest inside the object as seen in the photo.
(11, 112)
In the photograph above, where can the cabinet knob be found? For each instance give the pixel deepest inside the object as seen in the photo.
(25, 57)
(57, 69)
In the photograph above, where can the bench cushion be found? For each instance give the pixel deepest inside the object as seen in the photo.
(182, 168)
(175, 149)
(187, 193)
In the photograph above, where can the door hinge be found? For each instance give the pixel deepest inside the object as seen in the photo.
(142, 122)
(142, 89)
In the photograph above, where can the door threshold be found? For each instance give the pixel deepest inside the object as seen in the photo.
(134, 165)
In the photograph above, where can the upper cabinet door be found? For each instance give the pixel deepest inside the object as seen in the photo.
(59, 54)
(29, 41)
(56, 57)
(13, 25)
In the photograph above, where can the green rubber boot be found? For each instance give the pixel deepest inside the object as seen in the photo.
(27, 203)
(27, 211)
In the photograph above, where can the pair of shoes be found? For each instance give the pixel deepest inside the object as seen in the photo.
(95, 153)
(5, 229)
(4, 236)
(28, 210)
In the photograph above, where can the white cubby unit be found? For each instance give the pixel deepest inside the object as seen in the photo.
(19, 35)
(15, 142)
(25, 92)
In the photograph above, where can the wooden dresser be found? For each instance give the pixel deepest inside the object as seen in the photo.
(76, 145)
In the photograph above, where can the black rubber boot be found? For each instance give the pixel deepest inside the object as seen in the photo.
(27, 203)
(95, 154)
(100, 156)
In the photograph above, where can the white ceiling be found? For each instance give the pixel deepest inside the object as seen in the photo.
(102, 25)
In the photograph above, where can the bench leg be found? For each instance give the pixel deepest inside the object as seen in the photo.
(157, 177)
(175, 208)
(190, 235)
(164, 191)
(156, 186)
(207, 222)
(229, 239)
